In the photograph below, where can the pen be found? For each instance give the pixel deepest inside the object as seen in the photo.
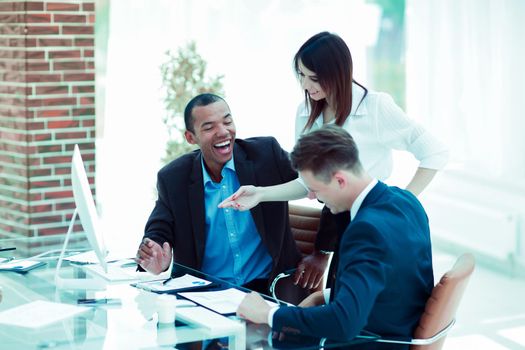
(6, 249)
(104, 301)
(166, 281)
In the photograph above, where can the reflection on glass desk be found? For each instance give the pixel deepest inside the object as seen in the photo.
(132, 324)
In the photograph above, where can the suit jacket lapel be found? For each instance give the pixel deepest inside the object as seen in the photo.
(246, 176)
(196, 202)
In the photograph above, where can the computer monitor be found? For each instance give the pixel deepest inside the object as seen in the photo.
(85, 209)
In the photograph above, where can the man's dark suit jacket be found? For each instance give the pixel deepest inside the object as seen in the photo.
(178, 216)
(384, 276)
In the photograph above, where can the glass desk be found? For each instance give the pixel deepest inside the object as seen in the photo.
(130, 325)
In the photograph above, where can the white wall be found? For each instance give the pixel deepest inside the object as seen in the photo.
(465, 77)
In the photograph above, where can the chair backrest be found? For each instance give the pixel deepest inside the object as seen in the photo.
(442, 304)
(304, 222)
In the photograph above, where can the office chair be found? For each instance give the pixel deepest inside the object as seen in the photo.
(440, 310)
(304, 223)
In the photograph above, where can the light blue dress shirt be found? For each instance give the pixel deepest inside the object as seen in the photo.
(234, 250)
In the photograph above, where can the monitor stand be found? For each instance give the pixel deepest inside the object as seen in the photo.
(74, 283)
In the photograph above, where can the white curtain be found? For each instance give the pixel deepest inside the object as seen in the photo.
(465, 80)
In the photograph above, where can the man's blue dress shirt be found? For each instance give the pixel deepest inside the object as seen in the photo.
(234, 250)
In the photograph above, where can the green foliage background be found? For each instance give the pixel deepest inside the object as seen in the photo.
(184, 76)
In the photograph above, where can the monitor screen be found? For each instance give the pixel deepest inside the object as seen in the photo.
(86, 207)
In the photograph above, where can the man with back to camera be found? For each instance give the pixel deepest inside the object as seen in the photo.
(384, 275)
(245, 248)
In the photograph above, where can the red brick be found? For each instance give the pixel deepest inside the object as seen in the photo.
(69, 18)
(72, 65)
(43, 78)
(70, 135)
(11, 6)
(68, 30)
(45, 184)
(90, 6)
(38, 18)
(35, 6)
(46, 219)
(64, 206)
(83, 111)
(55, 42)
(62, 124)
(41, 30)
(87, 101)
(58, 194)
(79, 77)
(84, 42)
(53, 113)
(83, 89)
(65, 54)
(88, 123)
(12, 18)
(63, 101)
(30, 42)
(12, 89)
(37, 66)
(35, 54)
(60, 6)
(42, 137)
(6, 29)
(35, 125)
(49, 149)
(89, 53)
(40, 208)
(91, 19)
(34, 197)
(57, 160)
(12, 54)
(48, 90)
(39, 172)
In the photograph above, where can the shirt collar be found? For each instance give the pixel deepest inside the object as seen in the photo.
(206, 177)
(360, 198)
(358, 106)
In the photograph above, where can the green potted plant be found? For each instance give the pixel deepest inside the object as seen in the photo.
(183, 76)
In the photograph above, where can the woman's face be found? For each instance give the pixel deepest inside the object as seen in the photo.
(310, 83)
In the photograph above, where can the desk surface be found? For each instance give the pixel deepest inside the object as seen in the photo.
(131, 325)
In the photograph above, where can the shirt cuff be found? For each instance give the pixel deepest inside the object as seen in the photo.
(326, 295)
(270, 315)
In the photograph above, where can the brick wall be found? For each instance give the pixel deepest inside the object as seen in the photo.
(47, 104)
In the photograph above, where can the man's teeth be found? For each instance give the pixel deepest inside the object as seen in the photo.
(222, 144)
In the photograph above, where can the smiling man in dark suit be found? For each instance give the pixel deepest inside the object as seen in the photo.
(246, 248)
(384, 275)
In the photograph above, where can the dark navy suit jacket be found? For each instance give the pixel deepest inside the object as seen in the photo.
(384, 276)
(178, 216)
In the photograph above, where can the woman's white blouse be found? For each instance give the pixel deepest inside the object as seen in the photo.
(379, 126)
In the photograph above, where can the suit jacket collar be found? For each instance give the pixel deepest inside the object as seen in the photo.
(196, 202)
(374, 194)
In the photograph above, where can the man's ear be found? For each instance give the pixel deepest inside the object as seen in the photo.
(341, 179)
(190, 137)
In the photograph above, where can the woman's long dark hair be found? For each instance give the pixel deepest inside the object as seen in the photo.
(328, 56)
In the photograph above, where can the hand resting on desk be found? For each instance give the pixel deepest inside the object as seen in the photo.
(152, 257)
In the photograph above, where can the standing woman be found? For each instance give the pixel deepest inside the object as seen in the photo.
(325, 70)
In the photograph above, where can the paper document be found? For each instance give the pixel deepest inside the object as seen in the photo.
(39, 313)
(20, 265)
(186, 282)
(222, 301)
